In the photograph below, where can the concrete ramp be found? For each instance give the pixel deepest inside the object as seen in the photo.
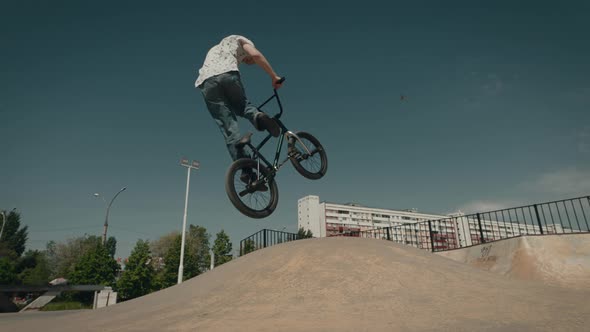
(41, 301)
(561, 260)
(336, 284)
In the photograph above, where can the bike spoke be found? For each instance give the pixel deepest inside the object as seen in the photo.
(259, 201)
(254, 199)
(311, 163)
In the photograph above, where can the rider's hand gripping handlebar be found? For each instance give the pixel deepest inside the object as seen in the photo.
(276, 95)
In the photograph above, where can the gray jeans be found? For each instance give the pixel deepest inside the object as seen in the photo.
(225, 98)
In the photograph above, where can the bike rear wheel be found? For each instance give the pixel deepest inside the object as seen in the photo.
(312, 165)
(250, 198)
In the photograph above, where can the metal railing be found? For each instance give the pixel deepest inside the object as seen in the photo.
(559, 217)
(265, 238)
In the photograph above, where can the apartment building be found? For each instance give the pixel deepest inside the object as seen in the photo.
(441, 233)
(329, 219)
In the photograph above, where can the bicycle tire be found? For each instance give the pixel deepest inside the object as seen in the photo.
(302, 156)
(232, 178)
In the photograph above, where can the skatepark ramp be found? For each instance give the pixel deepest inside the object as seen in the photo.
(561, 260)
(335, 284)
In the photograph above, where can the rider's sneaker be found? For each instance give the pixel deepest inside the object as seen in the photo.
(265, 122)
(249, 177)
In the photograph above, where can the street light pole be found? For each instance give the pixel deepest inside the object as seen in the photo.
(4, 222)
(106, 219)
(212, 254)
(195, 165)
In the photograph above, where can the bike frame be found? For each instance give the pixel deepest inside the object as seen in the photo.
(275, 165)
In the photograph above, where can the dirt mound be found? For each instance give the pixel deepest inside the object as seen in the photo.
(560, 260)
(338, 284)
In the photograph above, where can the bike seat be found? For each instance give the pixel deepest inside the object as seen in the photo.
(244, 141)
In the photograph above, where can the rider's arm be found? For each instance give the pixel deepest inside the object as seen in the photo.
(260, 60)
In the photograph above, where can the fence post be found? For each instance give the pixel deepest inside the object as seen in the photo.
(538, 219)
(264, 238)
(431, 237)
(480, 229)
(388, 234)
(242, 248)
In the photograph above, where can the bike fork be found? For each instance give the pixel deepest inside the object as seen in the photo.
(258, 168)
(290, 133)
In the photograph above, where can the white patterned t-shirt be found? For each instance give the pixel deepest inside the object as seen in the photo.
(223, 57)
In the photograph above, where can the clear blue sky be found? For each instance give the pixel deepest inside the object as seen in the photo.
(95, 96)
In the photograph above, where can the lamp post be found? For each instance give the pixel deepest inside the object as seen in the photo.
(4, 221)
(106, 220)
(194, 165)
(212, 254)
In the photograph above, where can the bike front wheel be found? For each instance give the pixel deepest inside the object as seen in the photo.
(251, 188)
(308, 156)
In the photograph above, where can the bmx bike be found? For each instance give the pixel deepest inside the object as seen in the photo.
(250, 182)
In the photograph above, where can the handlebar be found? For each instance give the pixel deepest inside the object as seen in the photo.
(275, 95)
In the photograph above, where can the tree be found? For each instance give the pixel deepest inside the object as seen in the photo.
(8, 274)
(52, 258)
(248, 246)
(303, 234)
(160, 247)
(33, 269)
(196, 256)
(30, 269)
(95, 267)
(168, 276)
(162, 264)
(14, 237)
(138, 277)
(111, 246)
(222, 248)
(197, 244)
(62, 257)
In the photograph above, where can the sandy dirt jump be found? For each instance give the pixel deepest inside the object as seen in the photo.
(560, 260)
(335, 284)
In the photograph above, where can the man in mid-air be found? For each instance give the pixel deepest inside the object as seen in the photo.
(223, 91)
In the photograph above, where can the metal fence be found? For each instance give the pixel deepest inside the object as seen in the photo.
(265, 238)
(558, 217)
